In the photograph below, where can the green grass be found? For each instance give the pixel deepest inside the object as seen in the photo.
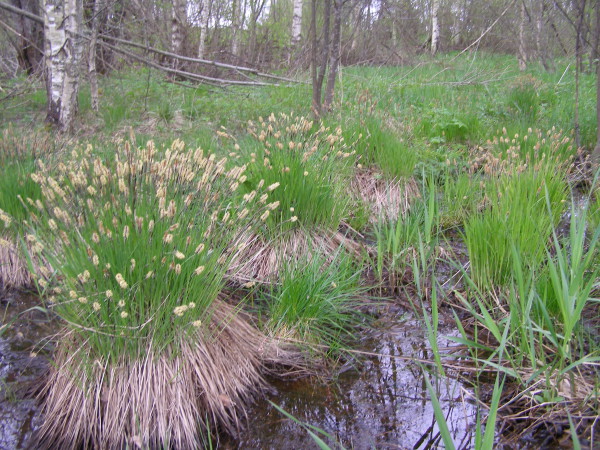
(460, 197)
(517, 216)
(382, 147)
(488, 142)
(140, 244)
(315, 301)
(534, 339)
(414, 232)
(310, 165)
(16, 188)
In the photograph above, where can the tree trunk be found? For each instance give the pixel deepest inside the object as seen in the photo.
(334, 61)
(318, 70)
(522, 51)
(203, 28)
(435, 26)
(540, 44)
(63, 48)
(92, 74)
(30, 44)
(296, 23)
(235, 26)
(179, 20)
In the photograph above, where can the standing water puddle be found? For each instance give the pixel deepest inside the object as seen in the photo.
(380, 401)
(22, 362)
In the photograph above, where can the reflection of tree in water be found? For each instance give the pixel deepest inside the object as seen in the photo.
(381, 402)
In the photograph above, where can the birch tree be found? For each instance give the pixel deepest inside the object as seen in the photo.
(435, 26)
(236, 25)
(296, 23)
(63, 53)
(179, 20)
(92, 74)
(522, 52)
(203, 19)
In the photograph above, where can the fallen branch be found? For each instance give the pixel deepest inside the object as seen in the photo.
(184, 74)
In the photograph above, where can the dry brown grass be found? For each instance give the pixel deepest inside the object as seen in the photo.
(160, 400)
(386, 199)
(14, 270)
(260, 259)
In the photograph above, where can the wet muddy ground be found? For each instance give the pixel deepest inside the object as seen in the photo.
(24, 357)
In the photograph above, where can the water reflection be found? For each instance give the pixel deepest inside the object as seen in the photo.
(22, 362)
(383, 403)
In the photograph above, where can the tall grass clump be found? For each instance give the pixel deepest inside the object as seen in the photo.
(523, 97)
(139, 247)
(309, 163)
(381, 147)
(18, 192)
(460, 197)
(410, 233)
(517, 216)
(315, 301)
(517, 213)
(543, 343)
(305, 169)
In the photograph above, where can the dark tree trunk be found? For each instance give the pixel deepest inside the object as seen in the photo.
(334, 62)
(318, 69)
(30, 43)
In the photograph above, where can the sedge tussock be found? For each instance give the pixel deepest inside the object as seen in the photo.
(387, 199)
(160, 399)
(14, 269)
(260, 259)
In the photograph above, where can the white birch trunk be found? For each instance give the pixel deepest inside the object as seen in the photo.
(203, 28)
(92, 74)
(235, 26)
(296, 23)
(63, 49)
(435, 26)
(179, 19)
(522, 51)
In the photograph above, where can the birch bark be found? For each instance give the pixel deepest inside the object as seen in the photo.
(203, 28)
(296, 23)
(63, 53)
(435, 26)
(522, 51)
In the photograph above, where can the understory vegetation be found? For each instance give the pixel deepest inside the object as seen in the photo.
(182, 221)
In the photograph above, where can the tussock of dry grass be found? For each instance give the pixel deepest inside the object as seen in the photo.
(261, 260)
(14, 271)
(386, 199)
(160, 401)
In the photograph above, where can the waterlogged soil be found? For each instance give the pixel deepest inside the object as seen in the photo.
(376, 399)
(380, 400)
(24, 357)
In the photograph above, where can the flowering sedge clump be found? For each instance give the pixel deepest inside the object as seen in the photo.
(140, 244)
(305, 166)
(551, 151)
